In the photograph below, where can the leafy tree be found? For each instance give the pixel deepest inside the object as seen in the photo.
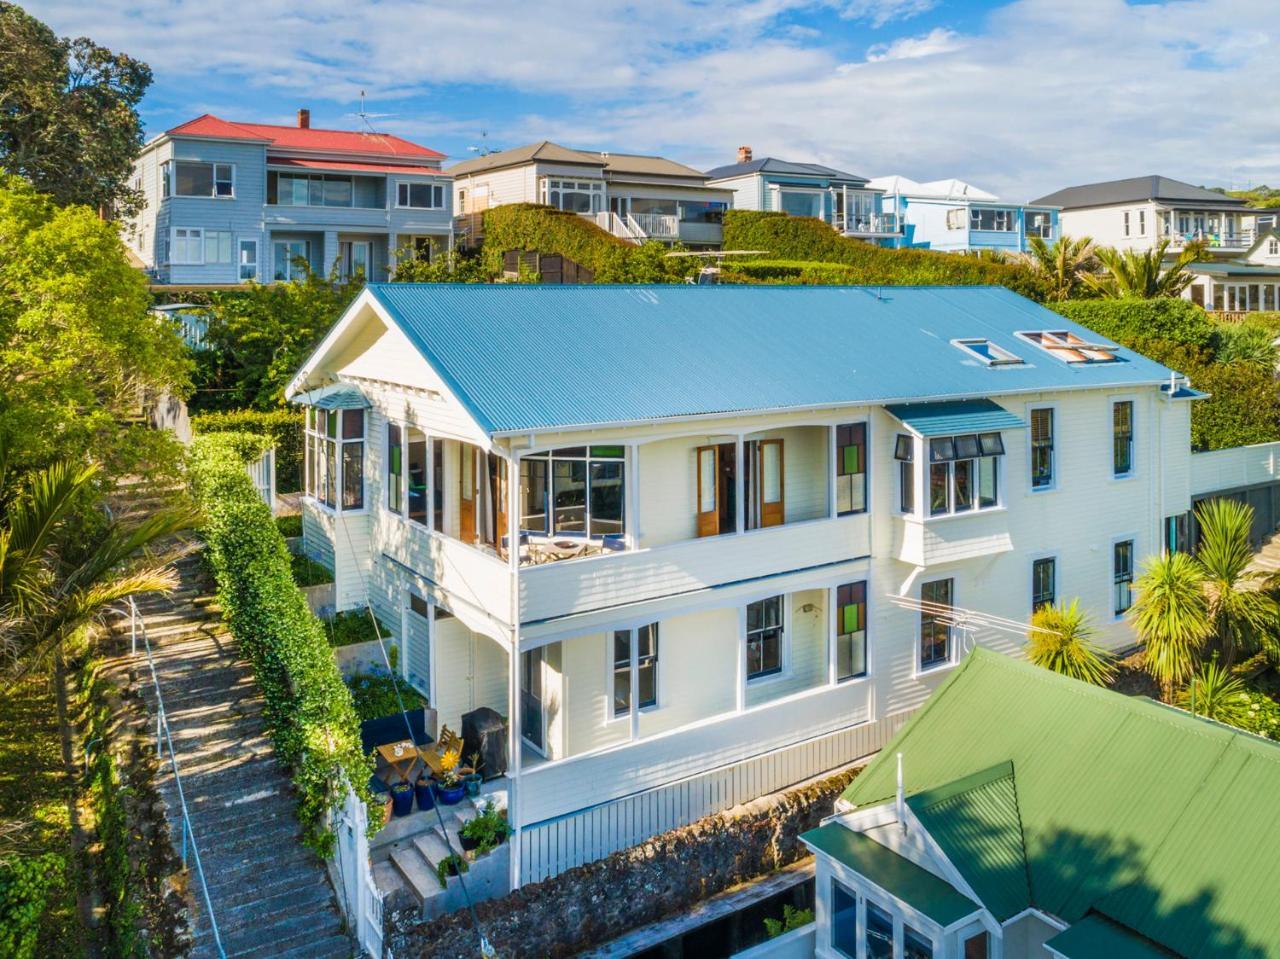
(1061, 640)
(444, 267)
(1065, 264)
(62, 565)
(1142, 273)
(259, 337)
(68, 113)
(1215, 693)
(78, 345)
(1171, 616)
(1244, 616)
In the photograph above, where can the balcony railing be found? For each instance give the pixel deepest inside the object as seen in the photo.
(869, 224)
(638, 227)
(1240, 240)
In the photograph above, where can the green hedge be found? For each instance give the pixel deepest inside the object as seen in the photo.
(807, 240)
(789, 271)
(283, 426)
(308, 707)
(1130, 321)
(530, 226)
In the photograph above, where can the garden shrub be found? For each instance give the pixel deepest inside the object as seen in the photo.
(289, 526)
(283, 426)
(1244, 406)
(313, 721)
(809, 240)
(25, 886)
(1128, 320)
(307, 572)
(1261, 716)
(374, 694)
(353, 626)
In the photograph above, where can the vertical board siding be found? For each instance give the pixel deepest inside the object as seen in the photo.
(548, 848)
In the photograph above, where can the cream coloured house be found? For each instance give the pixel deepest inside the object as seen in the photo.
(680, 536)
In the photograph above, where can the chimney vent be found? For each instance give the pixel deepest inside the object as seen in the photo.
(304, 119)
(744, 154)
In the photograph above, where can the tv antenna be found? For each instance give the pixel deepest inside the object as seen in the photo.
(365, 117)
(483, 149)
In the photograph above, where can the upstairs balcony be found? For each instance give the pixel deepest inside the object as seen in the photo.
(869, 224)
(696, 223)
(1238, 241)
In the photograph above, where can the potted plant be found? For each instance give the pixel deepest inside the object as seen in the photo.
(387, 801)
(450, 865)
(423, 792)
(471, 778)
(401, 798)
(485, 832)
(449, 787)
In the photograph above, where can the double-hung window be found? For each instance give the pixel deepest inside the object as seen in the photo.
(935, 625)
(964, 472)
(420, 196)
(1126, 222)
(635, 669)
(335, 457)
(1041, 449)
(395, 468)
(576, 490)
(851, 469)
(1122, 576)
(764, 638)
(1122, 437)
(1044, 574)
(851, 630)
(904, 451)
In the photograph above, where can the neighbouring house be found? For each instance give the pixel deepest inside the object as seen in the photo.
(632, 196)
(957, 217)
(229, 202)
(1141, 212)
(1024, 815)
(1244, 285)
(697, 575)
(845, 201)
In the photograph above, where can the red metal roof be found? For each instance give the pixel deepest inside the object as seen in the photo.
(304, 138)
(346, 166)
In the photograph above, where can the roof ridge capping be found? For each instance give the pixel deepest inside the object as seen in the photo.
(958, 787)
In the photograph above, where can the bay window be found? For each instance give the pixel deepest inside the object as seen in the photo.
(964, 472)
(395, 469)
(417, 466)
(335, 457)
(904, 451)
(575, 490)
(574, 196)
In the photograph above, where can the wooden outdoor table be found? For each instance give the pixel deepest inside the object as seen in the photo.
(400, 756)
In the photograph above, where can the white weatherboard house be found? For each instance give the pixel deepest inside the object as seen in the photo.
(228, 202)
(665, 530)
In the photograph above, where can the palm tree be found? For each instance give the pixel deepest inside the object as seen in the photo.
(1061, 639)
(1216, 694)
(1171, 616)
(62, 566)
(1065, 263)
(1142, 273)
(1243, 615)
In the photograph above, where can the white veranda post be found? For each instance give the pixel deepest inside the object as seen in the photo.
(513, 664)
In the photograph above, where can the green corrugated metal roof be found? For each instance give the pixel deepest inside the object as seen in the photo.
(1094, 937)
(959, 416)
(1228, 268)
(1165, 822)
(897, 876)
(975, 821)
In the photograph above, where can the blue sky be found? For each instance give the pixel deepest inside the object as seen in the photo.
(1020, 98)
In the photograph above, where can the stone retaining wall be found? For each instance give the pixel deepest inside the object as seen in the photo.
(592, 904)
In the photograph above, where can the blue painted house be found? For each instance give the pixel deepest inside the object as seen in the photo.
(846, 201)
(229, 203)
(957, 217)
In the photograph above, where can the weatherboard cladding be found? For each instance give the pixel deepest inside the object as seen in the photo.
(527, 357)
(1128, 808)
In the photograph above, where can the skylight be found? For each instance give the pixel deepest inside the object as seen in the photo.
(988, 352)
(1070, 348)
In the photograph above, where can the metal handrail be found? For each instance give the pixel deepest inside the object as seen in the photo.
(137, 625)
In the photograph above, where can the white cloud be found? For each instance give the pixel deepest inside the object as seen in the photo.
(937, 40)
(1039, 95)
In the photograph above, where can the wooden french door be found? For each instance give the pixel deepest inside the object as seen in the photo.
(468, 488)
(708, 490)
(770, 487)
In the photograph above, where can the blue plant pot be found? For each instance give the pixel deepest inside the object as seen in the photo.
(450, 795)
(426, 800)
(401, 799)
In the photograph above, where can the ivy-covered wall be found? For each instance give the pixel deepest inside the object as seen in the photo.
(806, 240)
(313, 721)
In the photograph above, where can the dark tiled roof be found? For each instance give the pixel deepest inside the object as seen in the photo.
(1133, 190)
(774, 165)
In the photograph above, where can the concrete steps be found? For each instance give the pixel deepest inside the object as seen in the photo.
(270, 894)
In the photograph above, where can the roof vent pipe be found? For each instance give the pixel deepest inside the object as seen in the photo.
(900, 803)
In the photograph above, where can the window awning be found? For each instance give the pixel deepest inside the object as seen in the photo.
(899, 877)
(956, 416)
(336, 396)
(1096, 935)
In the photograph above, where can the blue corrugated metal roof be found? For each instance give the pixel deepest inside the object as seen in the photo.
(956, 416)
(527, 356)
(335, 396)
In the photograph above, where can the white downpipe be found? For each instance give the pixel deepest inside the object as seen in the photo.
(513, 724)
(900, 804)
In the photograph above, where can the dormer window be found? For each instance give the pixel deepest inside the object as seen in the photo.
(1069, 347)
(988, 352)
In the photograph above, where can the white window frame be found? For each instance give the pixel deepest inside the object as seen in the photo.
(213, 194)
(1133, 437)
(287, 265)
(1053, 449)
(214, 237)
(784, 641)
(900, 913)
(408, 190)
(999, 355)
(192, 234)
(913, 469)
(241, 242)
(781, 188)
(1273, 247)
(541, 652)
(1126, 222)
(925, 504)
(1031, 577)
(315, 441)
(833, 592)
(634, 711)
(1142, 223)
(1131, 538)
(559, 184)
(919, 668)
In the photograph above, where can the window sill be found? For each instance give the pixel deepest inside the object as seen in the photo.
(766, 679)
(921, 672)
(943, 517)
